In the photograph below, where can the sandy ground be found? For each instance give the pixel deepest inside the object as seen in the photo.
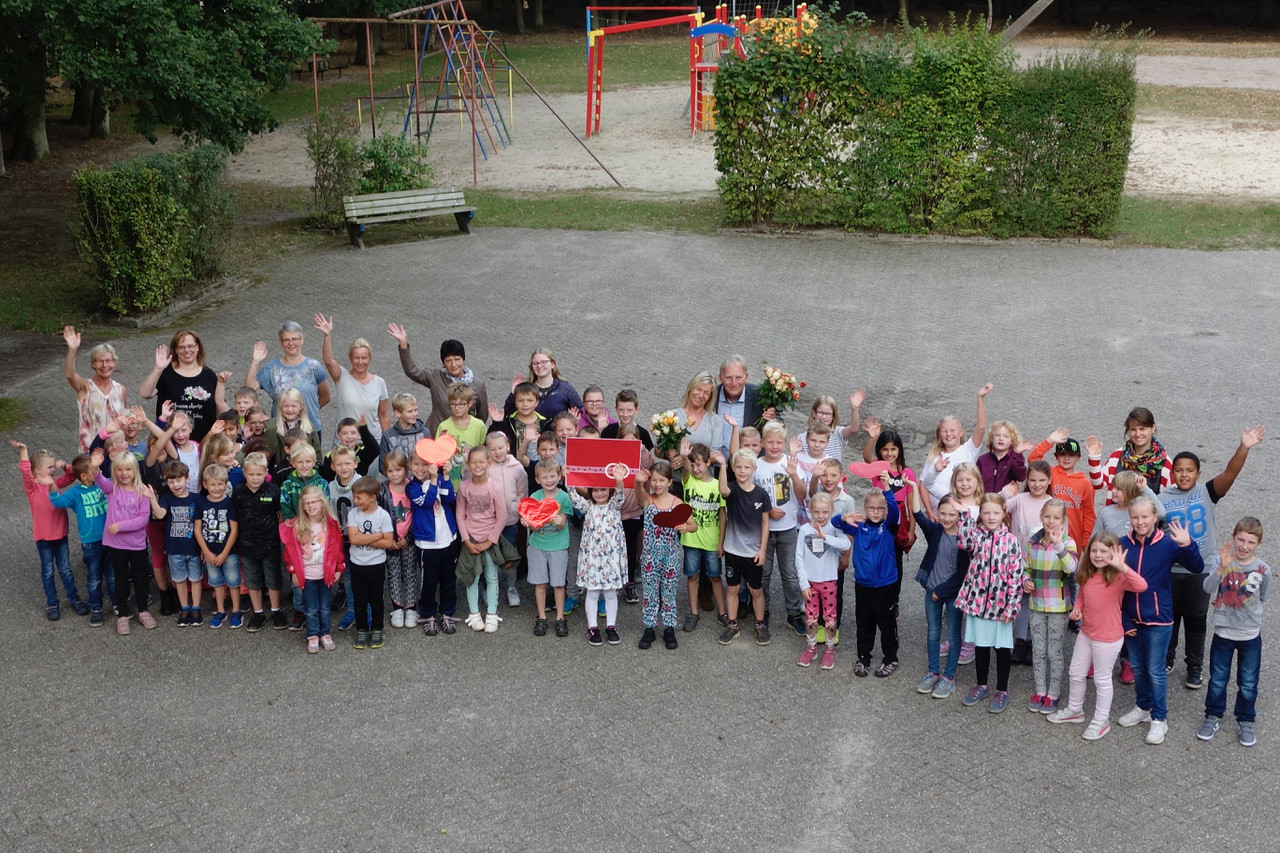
(645, 142)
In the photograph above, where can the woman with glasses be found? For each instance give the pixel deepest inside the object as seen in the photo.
(555, 394)
(180, 376)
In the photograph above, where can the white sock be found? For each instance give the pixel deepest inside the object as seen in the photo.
(611, 607)
(593, 608)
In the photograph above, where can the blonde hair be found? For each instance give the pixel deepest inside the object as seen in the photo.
(819, 428)
(213, 473)
(342, 450)
(459, 391)
(743, 453)
(1126, 483)
(700, 378)
(401, 400)
(39, 458)
(995, 498)
(555, 368)
(304, 423)
(1055, 504)
(972, 470)
(829, 401)
(302, 524)
(1143, 500)
(1015, 437)
(125, 459)
(214, 447)
(302, 450)
(359, 343)
(749, 432)
(821, 499)
(935, 449)
(771, 428)
(257, 460)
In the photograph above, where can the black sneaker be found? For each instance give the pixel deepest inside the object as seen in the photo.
(80, 607)
(184, 618)
(729, 634)
(796, 621)
(562, 628)
(1194, 681)
(723, 619)
(197, 617)
(669, 637)
(256, 621)
(593, 637)
(647, 638)
(630, 594)
(762, 633)
(539, 627)
(95, 618)
(299, 621)
(611, 634)
(278, 621)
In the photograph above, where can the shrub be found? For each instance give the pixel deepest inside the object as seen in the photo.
(333, 144)
(391, 164)
(195, 178)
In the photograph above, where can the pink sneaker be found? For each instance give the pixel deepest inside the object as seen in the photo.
(966, 652)
(313, 645)
(807, 656)
(828, 658)
(1126, 672)
(122, 625)
(944, 647)
(148, 621)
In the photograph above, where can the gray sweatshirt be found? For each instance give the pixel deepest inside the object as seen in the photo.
(1238, 595)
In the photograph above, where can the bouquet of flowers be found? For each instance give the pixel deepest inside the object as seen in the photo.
(780, 391)
(667, 432)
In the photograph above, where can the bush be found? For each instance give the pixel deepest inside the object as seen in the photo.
(391, 164)
(333, 144)
(195, 178)
(924, 132)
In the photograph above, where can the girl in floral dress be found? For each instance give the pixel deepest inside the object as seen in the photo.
(602, 556)
(660, 557)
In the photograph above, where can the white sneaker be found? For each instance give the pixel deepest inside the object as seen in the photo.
(1137, 715)
(1156, 733)
(397, 618)
(1066, 715)
(410, 618)
(1096, 730)
(474, 621)
(491, 623)
(513, 597)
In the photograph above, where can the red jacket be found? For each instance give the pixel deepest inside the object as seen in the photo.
(294, 562)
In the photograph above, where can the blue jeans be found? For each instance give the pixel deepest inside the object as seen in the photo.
(315, 601)
(54, 554)
(1146, 655)
(695, 559)
(933, 611)
(95, 563)
(1220, 651)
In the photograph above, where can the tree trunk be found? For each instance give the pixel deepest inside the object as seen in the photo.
(1267, 13)
(100, 116)
(2, 172)
(375, 36)
(903, 12)
(82, 108)
(519, 9)
(30, 141)
(537, 15)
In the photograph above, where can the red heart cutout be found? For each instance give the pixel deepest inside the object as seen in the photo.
(674, 517)
(870, 470)
(538, 512)
(436, 451)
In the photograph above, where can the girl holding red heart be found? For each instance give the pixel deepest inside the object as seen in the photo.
(660, 557)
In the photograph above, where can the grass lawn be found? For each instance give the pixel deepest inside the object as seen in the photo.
(1193, 224)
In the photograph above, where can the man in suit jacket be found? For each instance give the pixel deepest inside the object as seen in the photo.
(738, 398)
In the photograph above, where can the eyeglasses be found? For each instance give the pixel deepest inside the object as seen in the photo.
(542, 363)
(459, 404)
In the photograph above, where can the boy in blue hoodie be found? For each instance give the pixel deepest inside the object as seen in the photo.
(90, 506)
(875, 575)
(435, 537)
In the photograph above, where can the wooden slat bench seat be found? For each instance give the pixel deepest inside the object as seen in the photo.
(362, 210)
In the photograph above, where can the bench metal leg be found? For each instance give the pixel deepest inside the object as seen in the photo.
(354, 230)
(464, 221)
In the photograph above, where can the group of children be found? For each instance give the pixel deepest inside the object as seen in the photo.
(1016, 554)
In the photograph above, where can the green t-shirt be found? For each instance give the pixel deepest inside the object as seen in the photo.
(473, 436)
(549, 538)
(706, 501)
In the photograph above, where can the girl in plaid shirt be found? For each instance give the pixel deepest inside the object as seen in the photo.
(1051, 558)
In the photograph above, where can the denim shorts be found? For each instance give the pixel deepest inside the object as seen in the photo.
(696, 558)
(185, 567)
(548, 566)
(228, 574)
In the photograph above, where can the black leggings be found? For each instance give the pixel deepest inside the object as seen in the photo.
(982, 665)
(631, 528)
(439, 580)
(131, 567)
(366, 589)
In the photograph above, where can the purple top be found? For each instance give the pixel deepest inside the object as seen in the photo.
(130, 511)
(998, 473)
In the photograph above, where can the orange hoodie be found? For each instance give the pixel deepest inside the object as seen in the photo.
(1074, 489)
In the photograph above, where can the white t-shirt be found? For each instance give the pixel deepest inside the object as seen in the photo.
(360, 400)
(369, 522)
(774, 479)
(938, 483)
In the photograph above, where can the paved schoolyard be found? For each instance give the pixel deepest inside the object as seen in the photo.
(173, 739)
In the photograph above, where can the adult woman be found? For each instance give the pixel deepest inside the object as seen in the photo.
(695, 415)
(293, 370)
(99, 398)
(361, 395)
(180, 377)
(555, 394)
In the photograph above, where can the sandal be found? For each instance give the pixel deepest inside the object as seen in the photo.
(860, 669)
(886, 669)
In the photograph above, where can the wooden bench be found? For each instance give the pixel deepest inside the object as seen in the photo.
(362, 210)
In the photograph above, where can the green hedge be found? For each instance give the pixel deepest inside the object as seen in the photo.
(149, 224)
(923, 132)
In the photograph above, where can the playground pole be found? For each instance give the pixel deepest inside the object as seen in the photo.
(315, 90)
(368, 54)
(415, 104)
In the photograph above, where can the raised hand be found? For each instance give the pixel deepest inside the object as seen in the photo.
(162, 356)
(324, 324)
(95, 458)
(260, 351)
(1178, 533)
(940, 464)
(717, 457)
(146, 491)
(685, 446)
(872, 427)
(731, 421)
(1025, 446)
(1224, 557)
(1059, 435)
(642, 476)
(398, 332)
(139, 415)
(1252, 437)
(1093, 447)
(857, 398)
(854, 517)
(217, 427)
(18, 445)
(166, 410)
(795, 446)
(180, 420)
(224, 377)
(495, 413)
(575, 411)
(530, 432)
(985, 390)
(516, 380)
(1141, 481)
(72, 337)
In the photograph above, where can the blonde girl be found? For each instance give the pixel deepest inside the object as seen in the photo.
(1051, 558)
(292, 409)
(1103, 579)
(1125, 488)
(125, 537)
(826, 411)
(990, 595)
(220, 450)
(966, 488)
(312, 550)
(951, 449)
(1004, 466)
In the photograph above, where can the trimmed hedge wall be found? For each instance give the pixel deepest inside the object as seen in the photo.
(923, 132)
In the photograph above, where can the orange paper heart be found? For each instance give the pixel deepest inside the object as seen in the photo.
(436, 451)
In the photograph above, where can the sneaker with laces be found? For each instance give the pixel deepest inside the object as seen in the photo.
(611, 635)
(562, 628)
(967, 653)
(235, 620)
(807, 656)
(513, 597)
(691, 623)
(629, 593)
(411, 618)
(447, 625)
(256, 621)
(647, 638)
(430, 627)
(762, 634)
(297, 624)
(796, 621)
(946, 686)
(1247, 737)
(1126, 674)
(397, 618)
(976, 694)
(1155, 734)
(216, 620)
(1035, 703)
(669, 638)
(197, 617)
(362, 640)
(1096, 730)
(348, 619)
(593, 637)
(122, 625)
(1194, 681)
(95, 618)
(375, 640)
(184, 617)
(944, 647)
(723, 619)
(999, 701)
(491, 623)
(1209, 727)
(474, 621)
(927, 683)
(148, 621)
(278, 621)
(539, 627)
(1066, 715)
(328, 643)
(729, 634)
(1049, 705)
(828, 657)
(1137, 715)
(82, 609)
(313, 645)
